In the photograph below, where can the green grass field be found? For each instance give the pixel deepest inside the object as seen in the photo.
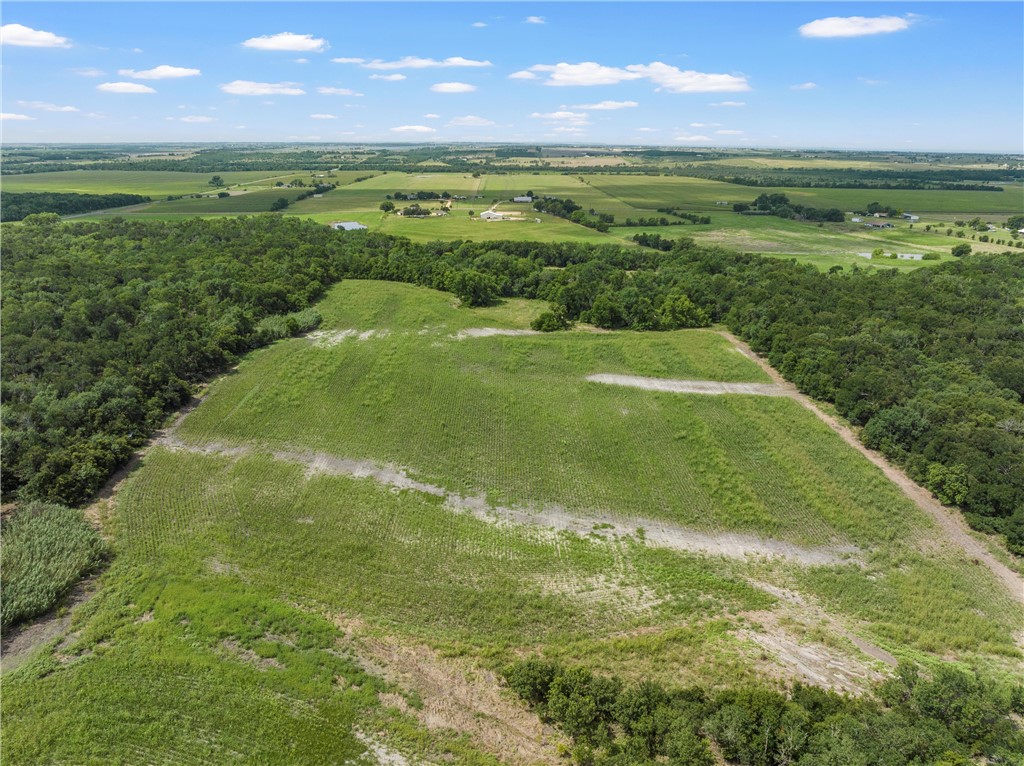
(356, 477)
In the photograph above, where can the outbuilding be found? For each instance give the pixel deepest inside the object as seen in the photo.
(491, 215)
(347, 225)
(524, 198)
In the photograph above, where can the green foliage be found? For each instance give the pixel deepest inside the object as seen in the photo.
(551, 321)
(942, 720)
(18, 206)
(949, 483)
(961, 250)
(472, 287)
(279, 204)
(46, 549)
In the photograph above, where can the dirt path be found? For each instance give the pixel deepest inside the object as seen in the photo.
(949, 520)
(710, 387)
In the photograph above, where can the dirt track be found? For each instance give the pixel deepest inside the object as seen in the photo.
(948, 519)
(710, 387)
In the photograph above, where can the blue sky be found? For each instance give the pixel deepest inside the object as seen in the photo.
(904, 76)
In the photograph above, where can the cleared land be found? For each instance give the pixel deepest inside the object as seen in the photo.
(271, 550)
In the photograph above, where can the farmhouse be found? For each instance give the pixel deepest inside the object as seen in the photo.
(347, 225)
(490, 215)
(524, 198)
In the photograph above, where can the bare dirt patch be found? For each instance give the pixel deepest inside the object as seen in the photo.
(688, 386)
(18, 644)
(459, 696)
(800, 637)
(949, 520)
(384, 755)
(488, 332)
(249, 656)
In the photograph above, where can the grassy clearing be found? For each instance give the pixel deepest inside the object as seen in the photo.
(46, 549)
(229, 567)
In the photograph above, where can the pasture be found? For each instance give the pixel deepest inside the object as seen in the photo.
(402, 483)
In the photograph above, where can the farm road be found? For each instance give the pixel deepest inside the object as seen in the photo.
(949, 520)
(689, 386)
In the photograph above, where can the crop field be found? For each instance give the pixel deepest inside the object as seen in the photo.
(700, 194)
(419, 479)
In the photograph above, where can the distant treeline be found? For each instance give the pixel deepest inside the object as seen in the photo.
(856, 178)
(946, 719)
(108, 325)
(17, 205)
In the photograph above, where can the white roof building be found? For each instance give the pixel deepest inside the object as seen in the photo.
(524, 198)
(491, 215)
(347, 225)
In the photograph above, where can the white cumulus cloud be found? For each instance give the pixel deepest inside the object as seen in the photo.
(665, 76)
(47, 107)
(585, 73)
(676, 80)
(162, 72)
(479, 24)
(348, 60)
(535, 20)
(328, 91)
(388, 77)
(14, 117)
(729, 132)
(88, 72)
(452, 87)
(854, 26)
(287, 41)
(413, 129)
(249, 88)
(26, 37)
(415, 62)
(524, 74)
(729, 103)
(322, 117)
(431, 116)
(606, 105)
(198, 118)
(471, 120)
(804, 86)
(124, 87)
(563, 115)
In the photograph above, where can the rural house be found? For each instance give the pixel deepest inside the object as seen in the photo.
(347, 225)
(491, 215)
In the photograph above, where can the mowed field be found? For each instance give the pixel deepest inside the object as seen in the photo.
(410, 480)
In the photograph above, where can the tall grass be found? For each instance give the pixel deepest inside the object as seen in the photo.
(45, 549)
